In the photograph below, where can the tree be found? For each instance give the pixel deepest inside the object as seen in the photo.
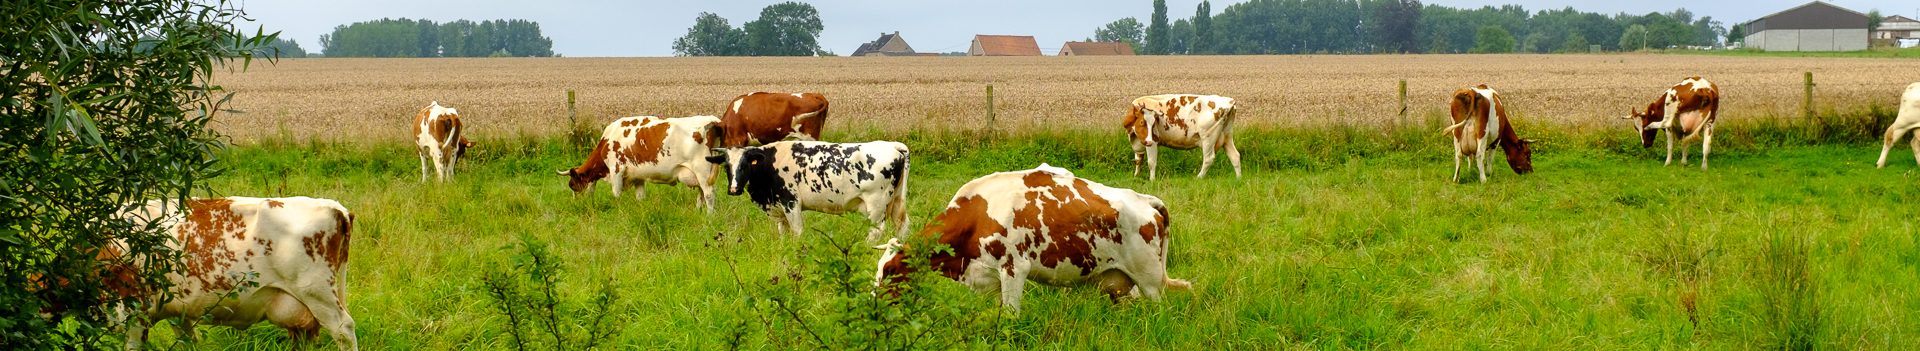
(1492, 40)
(1180, 37)
(285, 48)
(785, 29)
(1202, 29)
(1126, 30)
(423, 38)
(1575, 43)
(1157, 40)
(1393, 23)
(1737, 34)
(1634, 37)
(103, 103)
(711, 36)
(1873, 20)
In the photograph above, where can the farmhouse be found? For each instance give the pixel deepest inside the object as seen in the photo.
(1004, 45)
(1816, 26)
(1088, 48)
(887, 45)
(1902, 31)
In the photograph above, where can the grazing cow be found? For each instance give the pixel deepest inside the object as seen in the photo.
(1183, 122)
(282, 260)
(1050, 227)
(787, 177)
(1908, 121)
(439, 137)
(760, 118)
(650, 149)
(1479, 120)
(1688, 108)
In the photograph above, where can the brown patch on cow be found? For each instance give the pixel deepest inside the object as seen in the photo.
(1037, 179)
(997, 249)
(630, 122)
(646, 146)
(203, 248)
(1210, 105)
(960, 227)
(271, 203)
(767, 117)
(1066, 220)
(330, 245)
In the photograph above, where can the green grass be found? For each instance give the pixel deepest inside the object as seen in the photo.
(1879, 52)
(1336, 238)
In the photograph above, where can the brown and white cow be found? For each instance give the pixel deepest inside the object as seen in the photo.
(438, 137)
(1479, 121)
(1907, 121)
(763, 117)
(1689, 109)
(1183, 122)
(281, 260)
(649, 149)
(1048, 226)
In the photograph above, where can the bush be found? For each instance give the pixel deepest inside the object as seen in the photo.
(527, 293)
(831, 303)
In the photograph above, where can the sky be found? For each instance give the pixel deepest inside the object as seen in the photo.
(600, 28)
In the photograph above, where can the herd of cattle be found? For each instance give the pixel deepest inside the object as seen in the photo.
(283, 260)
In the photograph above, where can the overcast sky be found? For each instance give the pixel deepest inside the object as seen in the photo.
(581, 28)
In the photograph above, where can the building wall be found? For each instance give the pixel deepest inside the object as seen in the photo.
(1809, 40)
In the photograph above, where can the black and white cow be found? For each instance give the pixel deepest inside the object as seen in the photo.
(787, 177)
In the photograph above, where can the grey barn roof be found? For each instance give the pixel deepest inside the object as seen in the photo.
(1813, 15)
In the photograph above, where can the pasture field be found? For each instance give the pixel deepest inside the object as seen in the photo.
(1344, 234)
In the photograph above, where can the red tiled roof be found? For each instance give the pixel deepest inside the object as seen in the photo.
(1005, 45)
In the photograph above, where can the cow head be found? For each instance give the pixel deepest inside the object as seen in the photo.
(738, 161)
(465, 144)
(892, 268)
(1641, 121)
(1520, 156)
(1139, 127)
(579, 180)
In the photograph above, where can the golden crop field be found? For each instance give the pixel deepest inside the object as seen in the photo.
(372, 100)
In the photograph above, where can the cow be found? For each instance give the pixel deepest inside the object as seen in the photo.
(1047, 226)
(1907, 121)
(1182, 122)
(763, 117)
(786, 177)
(245, 260)
(439, 137)
(647, 149)
(1689, 109)
(1480, 120)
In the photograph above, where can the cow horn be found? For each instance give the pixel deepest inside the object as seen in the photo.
(566, 172)
(892, 243)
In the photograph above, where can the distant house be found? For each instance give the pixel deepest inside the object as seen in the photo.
(1004, 45)
(1093, 48)
(1816, 26)
(887, 45)
(1897, 27)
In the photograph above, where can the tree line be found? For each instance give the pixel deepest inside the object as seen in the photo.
(424, 38)
(784, 29)
(1405, 26)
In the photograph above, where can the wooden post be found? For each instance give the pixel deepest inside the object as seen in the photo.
(990, 116)
(1403, 99)
(1807, 104)
(573, 121)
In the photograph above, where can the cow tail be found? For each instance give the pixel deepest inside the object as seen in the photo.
(1166, 220)
(898, 210)
(453, 135)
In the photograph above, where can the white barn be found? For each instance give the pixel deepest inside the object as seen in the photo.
(1816, 26)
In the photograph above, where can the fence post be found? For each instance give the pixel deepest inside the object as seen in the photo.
(573, 121)
(990, 117)
(1403, 100)
(1807, 104)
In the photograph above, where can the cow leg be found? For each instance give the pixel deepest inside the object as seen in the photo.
(1139, 150)
(640, 190)
(1153, 163)
(1669, 134)
(1894, 133)
(332, 314)
(1480, 161)
(1916, 150)
(1233, 155)
(1706, 146)
(878, 209)
(1456, 162)
(779, 221)
(137, 333)
(1013, 283)
(423, 163)
(704, 191)
(1207, 152)
(617, 182)
(795, 221)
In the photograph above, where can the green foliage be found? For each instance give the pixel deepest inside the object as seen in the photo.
(831, 302)
(528, 294)
(1392, 24)
(1157, 40)
(1873, 20)
(1493, 40)
(1790, 290)
(711, 36)
(285, 49)
(785, 29)
(102, 104)
(1575, 43)
(1737, 34)
(1203, 35)
(1126, 30)
(1635, 37)
(423, 38)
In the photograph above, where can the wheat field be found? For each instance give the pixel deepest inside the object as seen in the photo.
(372, 100)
